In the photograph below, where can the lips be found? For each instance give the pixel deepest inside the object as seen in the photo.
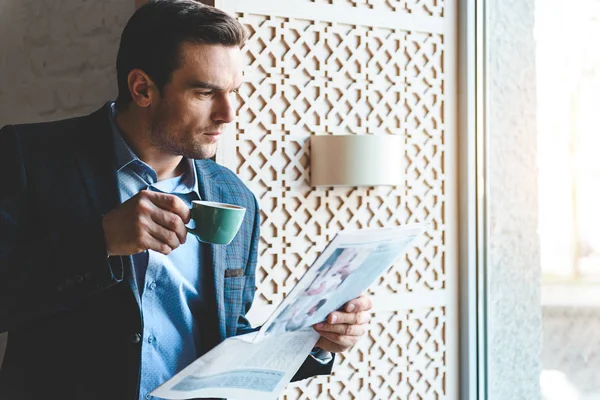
(212, 136)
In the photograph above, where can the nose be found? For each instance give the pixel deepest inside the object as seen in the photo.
(223, 112)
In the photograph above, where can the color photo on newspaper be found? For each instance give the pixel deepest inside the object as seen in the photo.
(344, 270)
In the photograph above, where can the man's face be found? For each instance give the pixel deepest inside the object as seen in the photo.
(195, 105)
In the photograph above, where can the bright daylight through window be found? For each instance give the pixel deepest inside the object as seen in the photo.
(568, 102)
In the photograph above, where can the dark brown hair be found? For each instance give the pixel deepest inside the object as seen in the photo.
(153, 36)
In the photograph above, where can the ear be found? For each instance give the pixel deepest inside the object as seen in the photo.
(143, 90)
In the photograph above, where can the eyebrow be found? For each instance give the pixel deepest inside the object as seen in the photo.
(206, 85)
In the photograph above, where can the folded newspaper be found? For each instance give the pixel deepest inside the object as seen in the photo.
(259, 365)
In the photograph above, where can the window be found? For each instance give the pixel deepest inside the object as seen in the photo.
(542, 207)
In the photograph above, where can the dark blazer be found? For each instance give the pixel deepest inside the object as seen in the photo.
(72, 315)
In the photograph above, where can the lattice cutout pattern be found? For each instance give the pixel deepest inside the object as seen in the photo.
(430, 8)
(311, 77)
(401, 357)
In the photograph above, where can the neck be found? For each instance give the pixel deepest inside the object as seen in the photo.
(133, 124)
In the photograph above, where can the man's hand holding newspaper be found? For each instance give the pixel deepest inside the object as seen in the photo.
(343, 328)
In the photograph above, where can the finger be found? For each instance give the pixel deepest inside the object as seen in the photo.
(148, 231)
(171, 222)
(152, 243)
(169, 202)
(342, 329)
(150, 206)
(164, 235)
(341, 340)
(362, 303)
(339, 317)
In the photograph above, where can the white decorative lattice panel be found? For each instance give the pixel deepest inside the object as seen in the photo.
(327, 76)
(433, 8)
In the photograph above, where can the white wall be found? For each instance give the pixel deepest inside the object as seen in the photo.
(57, 59)
(515, 336)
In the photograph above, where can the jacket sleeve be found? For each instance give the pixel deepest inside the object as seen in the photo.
(311, 367)
(43, 269)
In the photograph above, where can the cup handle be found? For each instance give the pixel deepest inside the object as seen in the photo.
(191, 231)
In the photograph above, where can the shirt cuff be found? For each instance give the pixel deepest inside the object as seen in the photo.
(321, 356)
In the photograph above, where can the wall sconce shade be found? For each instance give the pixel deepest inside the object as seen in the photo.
(357, 160)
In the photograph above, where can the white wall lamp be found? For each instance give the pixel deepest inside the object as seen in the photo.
(357, 160)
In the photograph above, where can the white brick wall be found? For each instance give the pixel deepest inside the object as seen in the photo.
(57, 59)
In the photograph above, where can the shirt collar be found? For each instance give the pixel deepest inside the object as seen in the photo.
(126, 157)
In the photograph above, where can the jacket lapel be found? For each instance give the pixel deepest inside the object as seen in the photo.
(211, 192)
(95, 157)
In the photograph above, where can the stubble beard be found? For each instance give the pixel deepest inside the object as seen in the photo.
(161, 137)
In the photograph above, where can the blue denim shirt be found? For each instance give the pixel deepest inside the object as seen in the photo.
(171, 298)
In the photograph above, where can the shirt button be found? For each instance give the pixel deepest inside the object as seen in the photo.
(151, 339)
(136, 338)
(152, 285)
(147, 395)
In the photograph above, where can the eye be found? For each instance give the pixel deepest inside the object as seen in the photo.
(205, 94)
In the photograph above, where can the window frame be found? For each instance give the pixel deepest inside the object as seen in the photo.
(473, 189)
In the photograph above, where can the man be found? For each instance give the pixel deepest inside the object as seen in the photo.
(102, 292)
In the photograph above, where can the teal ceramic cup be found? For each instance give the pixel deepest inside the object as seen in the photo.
(215, 223)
